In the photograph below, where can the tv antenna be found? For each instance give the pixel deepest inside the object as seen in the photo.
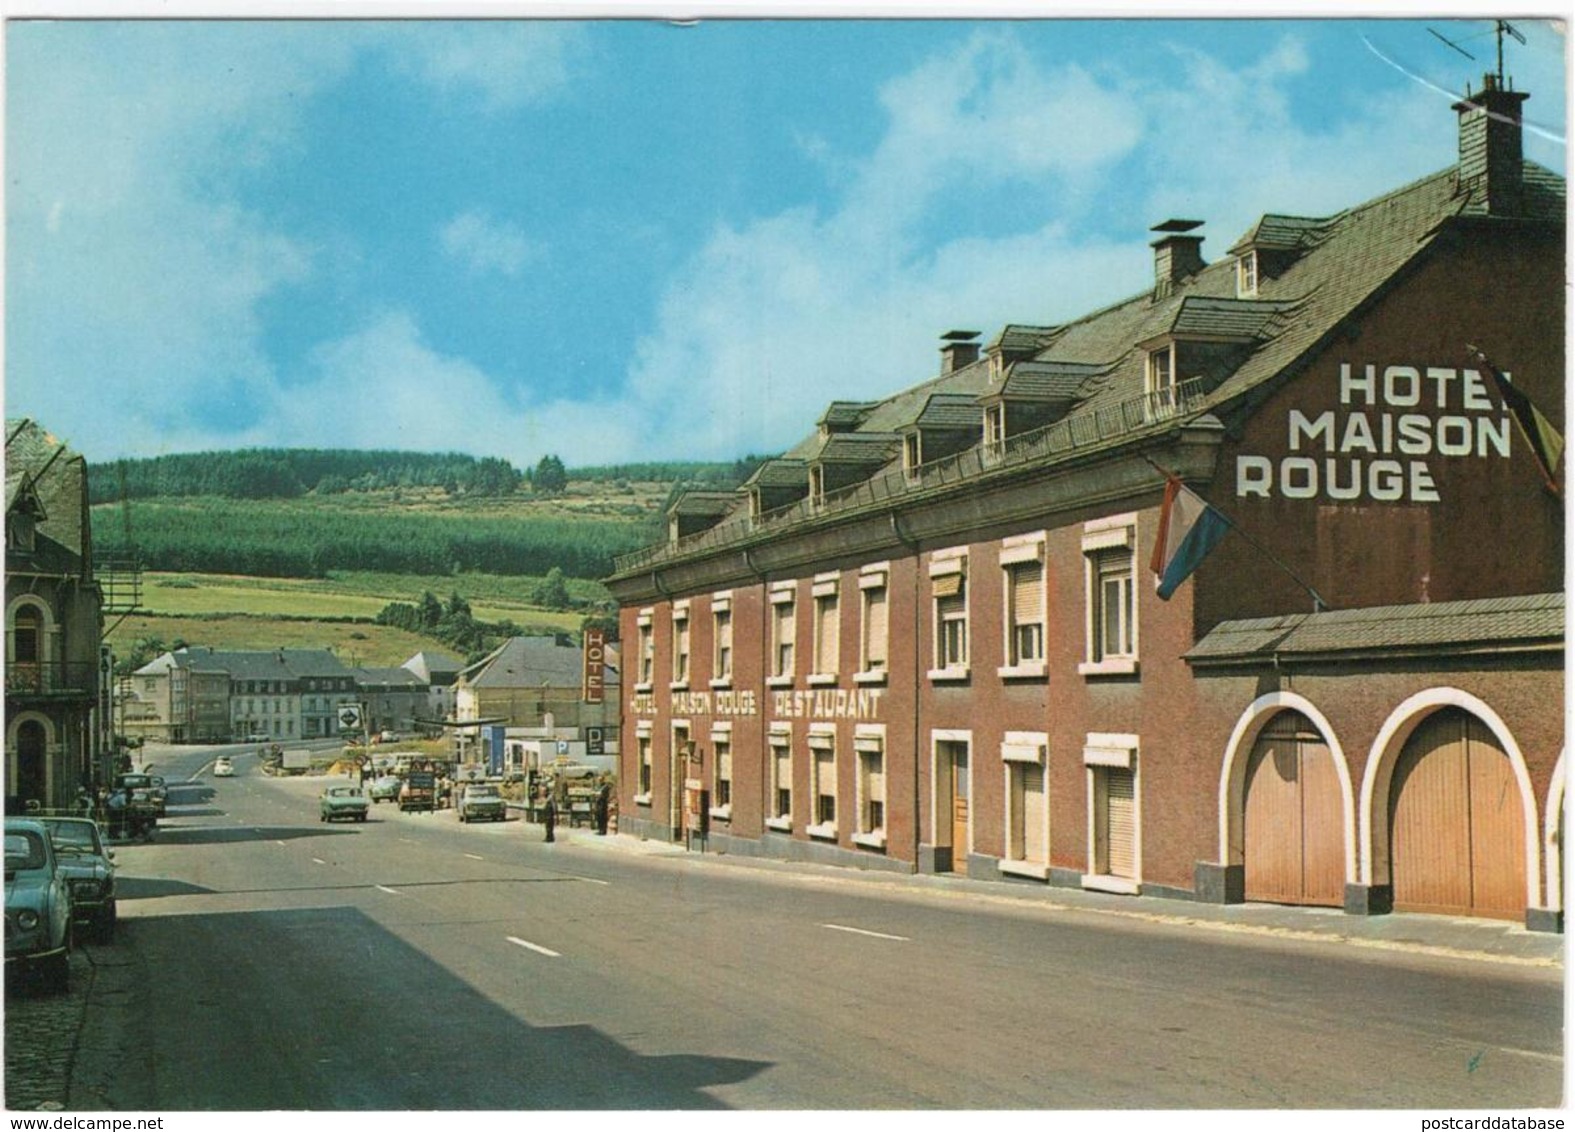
(1500, 29)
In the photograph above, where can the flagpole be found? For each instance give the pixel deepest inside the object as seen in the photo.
(1520, 426)
(1319, 605)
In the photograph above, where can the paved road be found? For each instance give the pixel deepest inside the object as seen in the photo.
(271, 962)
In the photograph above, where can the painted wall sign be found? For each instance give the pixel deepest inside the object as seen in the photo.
(1378, 446)
(797, 703)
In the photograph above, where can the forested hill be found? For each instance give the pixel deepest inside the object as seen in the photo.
(286, 473)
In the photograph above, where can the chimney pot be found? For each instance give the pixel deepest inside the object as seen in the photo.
(1490, 146)
(1178, 254)
(959, 348)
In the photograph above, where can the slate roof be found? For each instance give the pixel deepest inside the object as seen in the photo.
(1500, 624)
(949, 411)
(781, 472)
(1017, 340)
(858, 448)
(1046, 381)
(263, 664)
(845, 414)
(431, 666)
(389, 678)
(1275, 232)
(704, 503)
(528, 662)
(41, 469)
(1225, 318)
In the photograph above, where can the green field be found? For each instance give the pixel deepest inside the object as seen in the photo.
(368, 646)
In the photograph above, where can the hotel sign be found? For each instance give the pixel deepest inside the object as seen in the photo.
(595, 666)
(1392, 421)
(815, 704)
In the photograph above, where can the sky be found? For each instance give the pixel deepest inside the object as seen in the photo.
(631, 240)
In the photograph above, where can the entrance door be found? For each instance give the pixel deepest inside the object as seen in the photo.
(678, 770)
(1294, 820)
(952, 806)
(1456, 828)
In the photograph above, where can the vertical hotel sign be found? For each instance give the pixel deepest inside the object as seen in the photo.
(595, 666)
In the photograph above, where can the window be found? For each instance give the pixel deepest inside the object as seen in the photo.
(949, 591)
(721, 640)
(722, 771)
(823, 784)
(779, 805)
(1247, 274)
(680, 646)
(1114, 845)
(1109, 571)
(1027, 815)
(995, 428)
(782, 629)
(1023, 595)
(912, 452)
(869, 744)
(827, 626)
(644, 743)
(873, 624)
(1161, 381)
(817, 485)
(647, 653)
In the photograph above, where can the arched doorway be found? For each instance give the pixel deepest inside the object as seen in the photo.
(32, 776)
(1293, 824)
(1457, 828)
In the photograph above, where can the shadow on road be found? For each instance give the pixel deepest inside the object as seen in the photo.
(146, 888)
(227, 834)
(310, 986)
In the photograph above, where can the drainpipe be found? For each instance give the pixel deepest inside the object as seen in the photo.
(912, 547)
(764, 653)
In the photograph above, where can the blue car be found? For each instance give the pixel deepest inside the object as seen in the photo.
(37, 905)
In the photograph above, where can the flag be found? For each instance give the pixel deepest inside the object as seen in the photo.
(1546, 445)
(1188, 529)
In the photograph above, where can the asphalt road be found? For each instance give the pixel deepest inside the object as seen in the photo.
(268, 961)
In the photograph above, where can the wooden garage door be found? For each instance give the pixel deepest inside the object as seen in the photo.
(1457, 835)
(1294, 822)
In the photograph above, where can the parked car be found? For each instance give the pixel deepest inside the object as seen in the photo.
(223, 767)
(385, 789)
(346, 801)
(89, 868)
(147, 789)
(37, 905)
(481, 800)
(258, 737)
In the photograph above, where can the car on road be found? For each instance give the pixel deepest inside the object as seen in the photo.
(385, 789)
(345, 801)
(223, 767)
(37, 905)
(481, 801)
(89, 868)
(258, 737)
(145, 790)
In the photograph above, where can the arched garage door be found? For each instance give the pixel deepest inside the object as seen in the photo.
(1293, 827)
(1457, 834)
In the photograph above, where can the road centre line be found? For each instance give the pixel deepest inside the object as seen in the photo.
(473, 857)
(318, 861)
(385, 888)
(536, 947)
(277, 842)
(861, 931)
(591, 880)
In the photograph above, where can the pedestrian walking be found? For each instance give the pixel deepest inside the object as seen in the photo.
(549, 815)
(603, 803)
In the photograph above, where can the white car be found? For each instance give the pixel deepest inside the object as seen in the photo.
(223, 767)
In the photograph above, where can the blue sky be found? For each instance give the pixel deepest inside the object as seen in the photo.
(628, 240)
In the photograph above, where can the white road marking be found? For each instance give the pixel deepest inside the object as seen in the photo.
(1532, 1053)
(318, 861)
(278, 843)
(592, 880)
(861, 931)
(473, 857)
(385, 888)
(536, 947)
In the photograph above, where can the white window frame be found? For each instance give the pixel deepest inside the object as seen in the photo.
(825, 588)
(646, 658)
(912, 454)
(1019, 751)
(822, 737)
(817, 485)
(1101, 751)
(1101, 537)
(1014, 552)
(869, 739)
(646, 771)
(783, 594)
(722, 618)
(873, 577)
(943, 563)
(779, 737)
(995, 428)
(1247, 274)
(722, 737)
(1159, 373)
(680, 680)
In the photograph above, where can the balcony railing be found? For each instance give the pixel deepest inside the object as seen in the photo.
(51, 678)
(1120, 419)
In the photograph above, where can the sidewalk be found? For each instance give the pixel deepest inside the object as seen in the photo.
(1444, 936)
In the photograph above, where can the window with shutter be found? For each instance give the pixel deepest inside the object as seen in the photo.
(1120, 823)
(874, 658)
(782, 778)
(826, 626)
(723, 789)
(782, 638)
(723, 657)
(825, 787)
(1026, 616)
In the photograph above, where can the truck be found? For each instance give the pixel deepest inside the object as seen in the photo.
(296, 760)
(420, 790)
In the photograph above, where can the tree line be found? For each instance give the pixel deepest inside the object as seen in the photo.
(295, 541)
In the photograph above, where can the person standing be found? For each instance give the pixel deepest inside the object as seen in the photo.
(603, 803)
(549, 815)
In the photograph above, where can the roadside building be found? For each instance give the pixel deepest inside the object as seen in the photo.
(58, 726)
(393, 698)
(925, 638)
(439, 672)
(538, 684)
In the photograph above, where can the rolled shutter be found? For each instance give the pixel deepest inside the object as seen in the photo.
(1027, 592)
(1033, 779)
(946, 585)
(826, 634)
(1121, 831)
(875, 628)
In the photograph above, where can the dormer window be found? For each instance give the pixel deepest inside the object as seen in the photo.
(21, 532)
(817, 485)
(1160, 380)
(995, 427)
(912, 455)
(1247, 274)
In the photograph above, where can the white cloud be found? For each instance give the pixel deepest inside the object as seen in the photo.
(486, 245)
(509, 63)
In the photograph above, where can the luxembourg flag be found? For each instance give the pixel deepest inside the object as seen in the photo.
(1188, 529)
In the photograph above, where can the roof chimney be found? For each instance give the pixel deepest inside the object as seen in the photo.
(1177, 254)
(1490, 155)
(958, 348)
